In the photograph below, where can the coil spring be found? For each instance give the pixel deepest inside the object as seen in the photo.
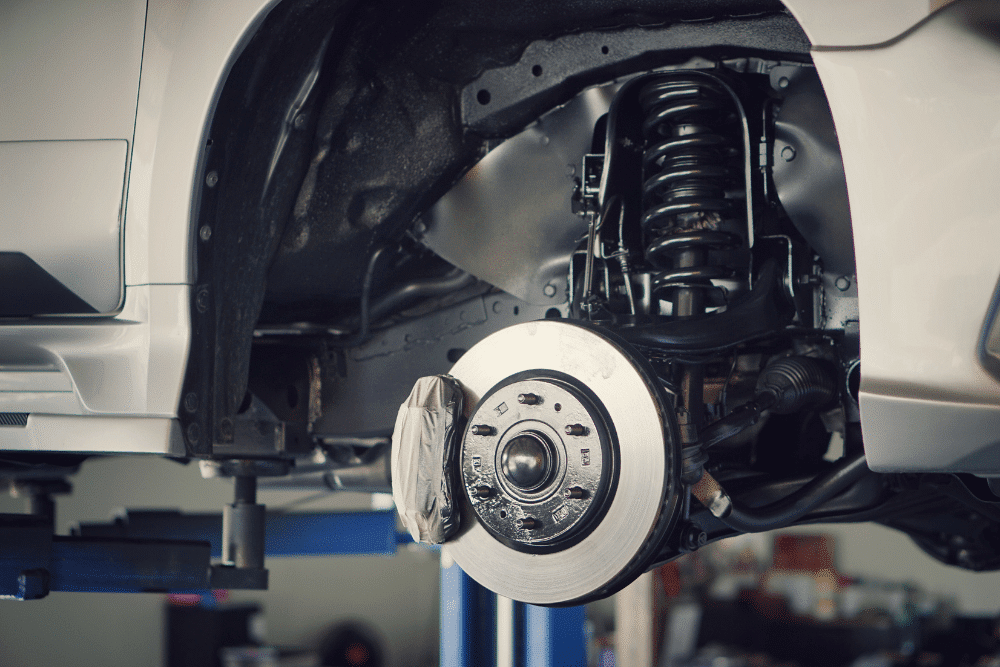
(686, 171)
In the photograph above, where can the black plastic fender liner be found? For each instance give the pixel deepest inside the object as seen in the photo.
(255, 156)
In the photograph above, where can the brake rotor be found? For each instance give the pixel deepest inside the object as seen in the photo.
(568, 464)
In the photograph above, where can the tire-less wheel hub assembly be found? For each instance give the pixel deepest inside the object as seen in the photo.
(567, 468)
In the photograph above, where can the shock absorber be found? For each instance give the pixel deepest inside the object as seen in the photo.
(687, 169)
(688, 216)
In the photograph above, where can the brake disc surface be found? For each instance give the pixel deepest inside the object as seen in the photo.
(565, 504)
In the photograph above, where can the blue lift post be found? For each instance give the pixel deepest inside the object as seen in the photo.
(468, 621)
(543, 636)
(554, 637)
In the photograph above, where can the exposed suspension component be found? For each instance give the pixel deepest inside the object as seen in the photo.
(690, 160)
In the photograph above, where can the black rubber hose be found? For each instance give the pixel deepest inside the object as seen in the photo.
(792, 508)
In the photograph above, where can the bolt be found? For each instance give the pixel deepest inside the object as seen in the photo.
(576, 429)
(191, 401)
(527, 523)
(482, 429)
(693, 538)
(205, 233)
(529, 399)
(843, 283)
(211, 178)
(810, 279)
(788, 153)
(482, 492)
(575, 493)
(549, 290)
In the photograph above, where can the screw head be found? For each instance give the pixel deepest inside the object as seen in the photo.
(549, 290)
(788, 153)
(201, 300)
(211, 178)
(205, 233)
(843, 283)
(300, 121)
(191, 401)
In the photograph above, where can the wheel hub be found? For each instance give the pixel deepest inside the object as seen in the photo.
(538, 461)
